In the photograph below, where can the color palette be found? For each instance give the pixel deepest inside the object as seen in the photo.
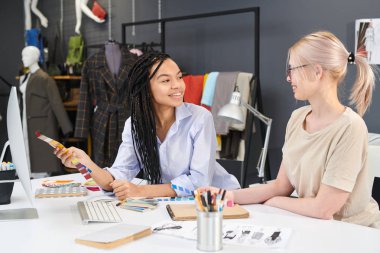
(55, 144)
(182, 189)
(175, 199)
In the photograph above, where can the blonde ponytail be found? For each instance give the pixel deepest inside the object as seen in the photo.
(326, 49)
(361, 92)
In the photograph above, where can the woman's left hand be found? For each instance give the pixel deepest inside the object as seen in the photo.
(124, 189)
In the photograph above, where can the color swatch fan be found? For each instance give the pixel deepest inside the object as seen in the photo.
(55, 144)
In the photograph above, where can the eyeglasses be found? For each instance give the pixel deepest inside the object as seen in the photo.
(289, 70)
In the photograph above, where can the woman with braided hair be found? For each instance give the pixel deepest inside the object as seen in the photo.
(172, 142)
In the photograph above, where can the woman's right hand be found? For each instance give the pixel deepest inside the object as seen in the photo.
(67, 154)
(228, 196)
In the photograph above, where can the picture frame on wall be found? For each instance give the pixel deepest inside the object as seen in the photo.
(367, 39)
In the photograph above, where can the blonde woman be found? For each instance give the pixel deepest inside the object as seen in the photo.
(325, 149)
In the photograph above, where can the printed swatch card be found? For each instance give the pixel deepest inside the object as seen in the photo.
(237, 233)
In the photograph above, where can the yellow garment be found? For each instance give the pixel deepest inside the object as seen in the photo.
(204, 82)
(218, 142)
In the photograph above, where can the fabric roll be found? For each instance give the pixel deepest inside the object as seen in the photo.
(225, 84)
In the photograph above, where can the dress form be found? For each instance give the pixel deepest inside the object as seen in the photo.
(113, 57)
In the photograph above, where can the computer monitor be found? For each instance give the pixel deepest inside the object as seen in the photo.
(19, 159)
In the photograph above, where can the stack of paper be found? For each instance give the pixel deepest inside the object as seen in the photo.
(139, 205)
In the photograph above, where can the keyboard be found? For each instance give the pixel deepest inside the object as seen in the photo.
(98, 211)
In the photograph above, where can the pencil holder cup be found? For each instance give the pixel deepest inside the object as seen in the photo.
(209, 231)
(6, 188)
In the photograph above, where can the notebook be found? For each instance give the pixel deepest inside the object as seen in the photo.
(114, 236)
(184, 212)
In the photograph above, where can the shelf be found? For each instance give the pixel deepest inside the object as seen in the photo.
(60, 77)
(66, 77)
(71, 105)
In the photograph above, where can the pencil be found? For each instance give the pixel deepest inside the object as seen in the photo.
(121, 202)
(199, 202)
(224, 194)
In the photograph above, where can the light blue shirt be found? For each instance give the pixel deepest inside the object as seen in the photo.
(187, 155)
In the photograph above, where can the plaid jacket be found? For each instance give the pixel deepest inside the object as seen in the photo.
(102, 106)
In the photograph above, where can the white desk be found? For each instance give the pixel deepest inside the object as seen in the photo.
(59, 224)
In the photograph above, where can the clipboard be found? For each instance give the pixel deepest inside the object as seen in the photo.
(186, 212)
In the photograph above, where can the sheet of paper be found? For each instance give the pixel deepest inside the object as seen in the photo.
(243, 234)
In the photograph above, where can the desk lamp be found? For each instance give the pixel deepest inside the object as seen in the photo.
(233, 113)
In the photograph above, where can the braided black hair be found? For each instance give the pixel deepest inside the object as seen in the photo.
(143, 118)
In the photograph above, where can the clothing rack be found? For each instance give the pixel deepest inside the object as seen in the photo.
(128, 45)
(142, 46)
(255, 92)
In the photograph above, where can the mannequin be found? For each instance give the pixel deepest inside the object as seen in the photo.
(81, 5)
(31, 5)
(43, 111)
(30, 56)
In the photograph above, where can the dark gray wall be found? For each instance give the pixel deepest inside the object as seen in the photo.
(282, 23)
(11, 43)
(12, 39)
(219, 44)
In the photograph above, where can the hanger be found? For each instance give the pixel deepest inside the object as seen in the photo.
(111, 41)
(6, 82)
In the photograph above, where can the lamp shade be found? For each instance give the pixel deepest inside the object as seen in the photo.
(232, 112)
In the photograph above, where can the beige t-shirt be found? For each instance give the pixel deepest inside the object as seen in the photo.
(334, 156)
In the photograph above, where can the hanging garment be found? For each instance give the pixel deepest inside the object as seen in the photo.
(44, 112)
(209, 89)
(230, 145)
(74, 59)
(33, 37)
(225, 84)
(194, 89)
(103, 104)
(56, 59)
(244, 81)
